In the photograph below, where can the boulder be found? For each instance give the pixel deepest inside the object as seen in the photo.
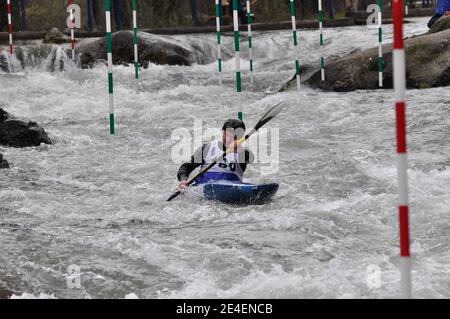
(4, 66)
(152, 48)
(56, 37)
(20, 133)
(427, 65)
(443, 23)
(3, 162)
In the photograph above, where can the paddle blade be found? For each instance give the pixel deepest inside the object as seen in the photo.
(174, 195)
(270, 114)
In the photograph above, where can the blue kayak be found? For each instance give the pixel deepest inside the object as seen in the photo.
(240, 193)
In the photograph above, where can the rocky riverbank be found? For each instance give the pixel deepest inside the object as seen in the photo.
(427, 65)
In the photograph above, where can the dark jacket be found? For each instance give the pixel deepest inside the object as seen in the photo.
(245, 157)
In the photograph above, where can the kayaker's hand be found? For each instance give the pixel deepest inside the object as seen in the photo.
(182, 186)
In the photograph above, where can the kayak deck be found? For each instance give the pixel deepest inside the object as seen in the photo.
(240, 193)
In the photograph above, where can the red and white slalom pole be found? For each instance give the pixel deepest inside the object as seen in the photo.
(402, 173)
(72, 31)
(10, 27)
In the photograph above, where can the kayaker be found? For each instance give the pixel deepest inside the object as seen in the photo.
(232, 166)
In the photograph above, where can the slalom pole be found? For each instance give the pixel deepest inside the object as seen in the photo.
(380, 45)
(294, 33)
(10, 27)
(112, 129)
(135, 37)
(322, 60)
(72, 32)
(238, 57)
(219, 39)
(402, 173)
(250, 41)
(406, 7)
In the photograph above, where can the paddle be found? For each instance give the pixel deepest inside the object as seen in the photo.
(270, 114)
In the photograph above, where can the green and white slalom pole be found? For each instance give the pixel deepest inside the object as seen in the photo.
(135, 37)
(72, 31)
(294, 33)
(250, 41)
(380, 44)
(322, 59)
(112, 128)
(219, 40)
(238, 58)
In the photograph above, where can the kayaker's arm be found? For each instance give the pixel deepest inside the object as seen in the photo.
(185, 170)
(196, 160)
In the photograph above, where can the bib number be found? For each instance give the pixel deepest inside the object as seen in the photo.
(232, 166)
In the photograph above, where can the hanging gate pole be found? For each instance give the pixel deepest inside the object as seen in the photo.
(110, 66)
(10, 27)
(322, 59)
(135, 39)
(294, 34)
(402, 169)
(238, 57)
(380, 44)
(250, 40)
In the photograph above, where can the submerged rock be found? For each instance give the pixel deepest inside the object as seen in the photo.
(3, 163)
(20, 133)
(4, 66)
(427, 65)
(152, 49)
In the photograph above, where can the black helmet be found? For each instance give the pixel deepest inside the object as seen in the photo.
(234, 124)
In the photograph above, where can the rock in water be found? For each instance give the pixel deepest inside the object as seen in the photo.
(427, 65)
(20, 133)
(152, 49)
(3, 162)
(55, 36)
(4, 64)
(443, 23)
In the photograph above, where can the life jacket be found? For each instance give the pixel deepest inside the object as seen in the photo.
(228, 169)
(442, 6)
